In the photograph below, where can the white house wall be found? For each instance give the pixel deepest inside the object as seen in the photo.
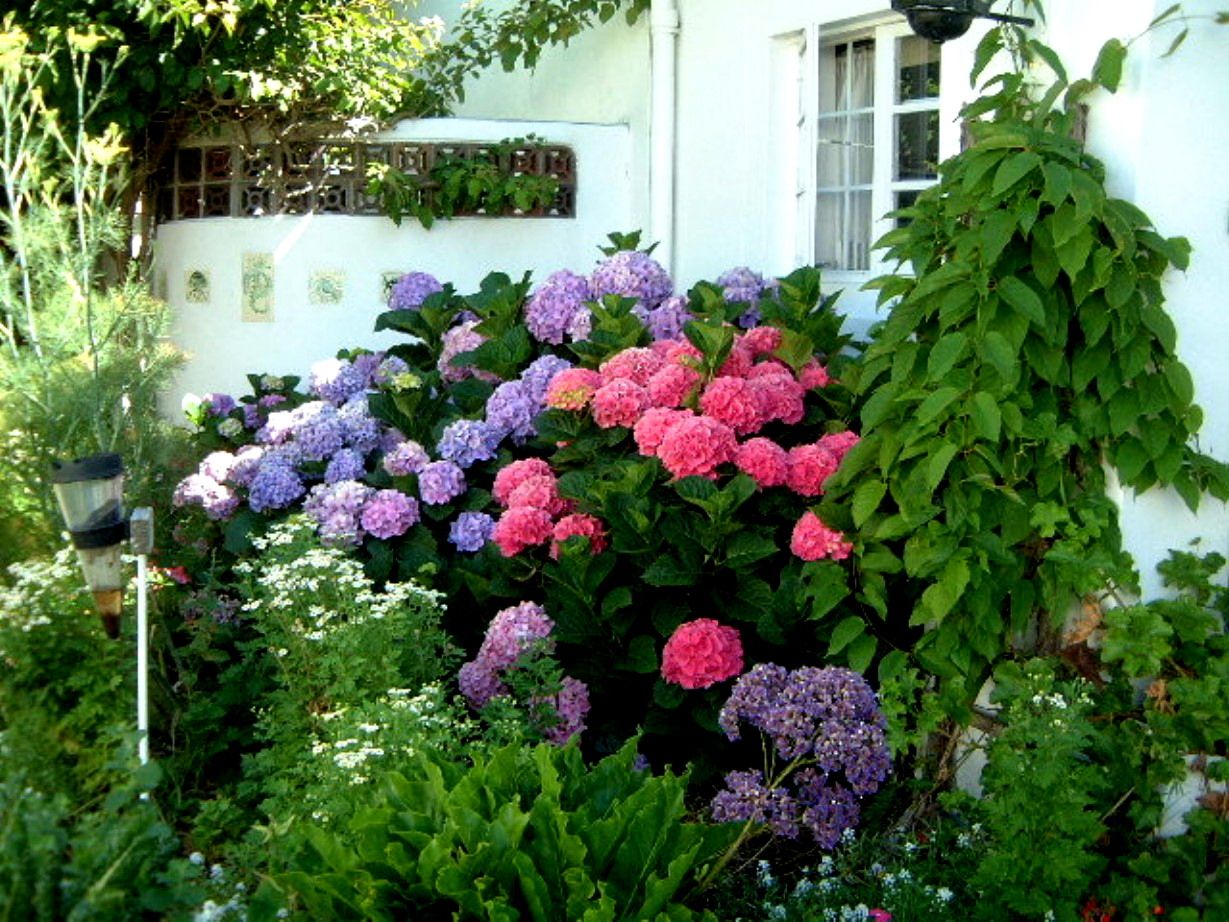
(223, 348)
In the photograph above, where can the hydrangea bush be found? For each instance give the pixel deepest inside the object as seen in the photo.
(641, 463)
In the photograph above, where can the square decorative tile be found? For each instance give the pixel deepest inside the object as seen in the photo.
(257, 287)
(387, 281)
(326, 286)
(196, 286)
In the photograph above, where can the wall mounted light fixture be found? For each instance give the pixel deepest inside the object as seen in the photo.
(941, 20)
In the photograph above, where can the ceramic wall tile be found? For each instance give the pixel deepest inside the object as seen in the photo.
(326, 286)
(257, 287)
(196, 286)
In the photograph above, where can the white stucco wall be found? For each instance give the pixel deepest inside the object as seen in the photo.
(1164, 138)
(223, 348)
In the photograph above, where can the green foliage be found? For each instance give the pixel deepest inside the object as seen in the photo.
(487, 183)
(1040, 796)
(1029, 343)
(522, 833)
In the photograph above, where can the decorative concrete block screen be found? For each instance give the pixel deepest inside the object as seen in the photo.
(263, 277)
(330, 176)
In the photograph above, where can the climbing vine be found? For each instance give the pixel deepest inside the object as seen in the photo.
(1026, 349)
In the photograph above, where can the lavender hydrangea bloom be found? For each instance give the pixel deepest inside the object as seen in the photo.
(570, 705)
(389, 513)
(471, 531)
(466, 441)
(557, 309)
(336, 508)
(511, 410)
(278, 428)
(390, 438)
(411, 290)
(347, 464)
(479, 684)
(275, 486)
(666, 320)
(360, 430)
(829, 715)
(745, 286)
(217, 465)
(440, 482)
(251, 416)
(538, 374)
(461, 338)
(406, 458)
(388, 369)
(513, 631)
(336, 380)
(318, 431)
(219, 404)
(218, 500)
(245, 466)
(632, 274)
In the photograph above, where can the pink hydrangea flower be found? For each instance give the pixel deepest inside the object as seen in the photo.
(813, 375)
(839, 443)
(738, 364)
(809, 467)
(513, 475)
(696, 446)
(813, 540)
(461, 338)
(731, 401)
(701, 653)
(579, 523)
(636, 364)
(777, 397)
(683, 352)
(572, 388)
(652, 427)
(540, 492)
(762, 340)
(673, 386)
(521, 528)
(619, 403)
(764, 461)
(389, 513)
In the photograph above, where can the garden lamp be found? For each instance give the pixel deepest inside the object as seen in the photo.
(90, 492)
(940, 20)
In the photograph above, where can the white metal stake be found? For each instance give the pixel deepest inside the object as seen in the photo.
(142, 660)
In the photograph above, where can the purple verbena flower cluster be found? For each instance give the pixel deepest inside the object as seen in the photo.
(828, 722)
(411, 290)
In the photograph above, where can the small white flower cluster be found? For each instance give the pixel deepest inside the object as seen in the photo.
(212, 910)
(859, 913)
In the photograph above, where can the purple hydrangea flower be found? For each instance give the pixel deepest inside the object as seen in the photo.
(278, 428)
(511, 410)
(389, 513)
(390, 438)
(245, 466)
(217, 465)
(360, 430)
(388, 369)
(218, 500)
(219, 404)
(557, 309)
(251, 416)
(409, 291)
(466, 441)
(461, 338)
(538, 374)
(479, 684)
(336, 380)
(275, 486)
(632, 274)
(336, 508)
(745, 286)
(570, 704)
(440, 482)
(347, 464)
(666, 320)
(471, 531)
(406, 458)
(513, 631)
(318, 432)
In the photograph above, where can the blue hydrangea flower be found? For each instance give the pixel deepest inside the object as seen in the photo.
(632, 274)
(411, 290)
(466, 441)
(537, 376)
(471, 531)
(440, 482)
(347, 464)
(275, 486)
(336, 380)
(511, 410)
(666, 320)
(557, 309)
(360, 430)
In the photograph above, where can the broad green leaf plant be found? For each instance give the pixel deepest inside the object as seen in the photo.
(1027, 351)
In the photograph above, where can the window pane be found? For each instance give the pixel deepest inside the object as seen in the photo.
(832, 77)
(858, 246)
(862, 148)
(832, 148)
(917, 145)
(829, 229)
(917, 64)
(862, 74)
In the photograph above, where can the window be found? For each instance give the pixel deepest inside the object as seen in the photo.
(873, 110)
